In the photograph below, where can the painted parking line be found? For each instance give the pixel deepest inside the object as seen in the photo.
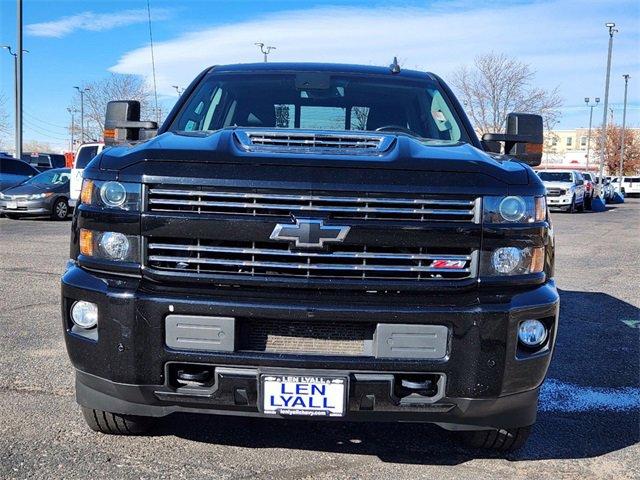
(557, 396)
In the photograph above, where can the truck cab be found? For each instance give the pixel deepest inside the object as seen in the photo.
(314, 241)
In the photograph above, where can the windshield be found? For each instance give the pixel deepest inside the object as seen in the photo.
(321, 101)
(51, 177)
(555, 176)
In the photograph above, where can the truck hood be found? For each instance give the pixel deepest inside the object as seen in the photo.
(448, 166)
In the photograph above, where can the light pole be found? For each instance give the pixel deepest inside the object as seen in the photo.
(72, 111)
(624, 124)
(265, 49)
(18, 130)
(612, 30)
(82, 90)
(591, 107)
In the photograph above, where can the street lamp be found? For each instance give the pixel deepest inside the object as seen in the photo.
(18, 117)
(612, 30)
(82, 90)
(265, 49)
(178, 88)
(626, 77)
(591, 107)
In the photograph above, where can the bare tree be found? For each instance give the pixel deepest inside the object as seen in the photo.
(100, 92)
(31, 146)
(498, 84)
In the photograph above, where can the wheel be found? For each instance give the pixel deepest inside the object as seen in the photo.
(587, 202)
(572, 207)
(12, 216)
(60, 209)
(115, 424)
(501, 440)
(581, 206)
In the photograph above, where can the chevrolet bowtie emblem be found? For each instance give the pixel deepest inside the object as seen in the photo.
(309, 233)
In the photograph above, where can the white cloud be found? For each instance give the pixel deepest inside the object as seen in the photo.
(90, 21)
(565, 42)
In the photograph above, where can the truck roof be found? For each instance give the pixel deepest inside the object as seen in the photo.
(320, 67)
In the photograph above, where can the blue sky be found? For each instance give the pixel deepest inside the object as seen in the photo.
(72, 42)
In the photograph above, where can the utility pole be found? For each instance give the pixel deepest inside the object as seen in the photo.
(624, 124)
(612, 30)
(591, 107)
(82, 90)
(72, 111)
(265, 49)
(18, 67)
(15, 84)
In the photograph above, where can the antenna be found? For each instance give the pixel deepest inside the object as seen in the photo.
(395, 66)
(153, 64)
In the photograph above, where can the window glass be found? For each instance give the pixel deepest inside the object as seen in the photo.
(323, 118)
(285, 116)
(569, 141)
(51, 177)
(15, 167)
(555, 176)
(85, 155)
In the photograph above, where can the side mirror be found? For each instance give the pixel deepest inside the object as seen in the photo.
(122, 123)
(523, 138)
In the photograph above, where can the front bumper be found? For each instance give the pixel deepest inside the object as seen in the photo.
(559, 202)
(26, 207)
(488, 381)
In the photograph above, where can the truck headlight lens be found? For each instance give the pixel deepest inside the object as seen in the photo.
(513, 209)
(111, 195)
(84, 314)
(505, 260)
(532, 333)
(113, 246)
(512, 261)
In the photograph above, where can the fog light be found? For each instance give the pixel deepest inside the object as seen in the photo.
(532, 333)
(115, 245)
(506, 259)
(113, 194)
(84, 314)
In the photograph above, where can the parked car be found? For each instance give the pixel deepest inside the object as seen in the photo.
(44, 161)
(590, 188)
(565, 189)
(607, 191)
(45, 194)
(630, 186)
(14, 172)
(293, 184)
(85, 153)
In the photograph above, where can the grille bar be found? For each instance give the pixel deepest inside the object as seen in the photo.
(269, 258)
(384, 208)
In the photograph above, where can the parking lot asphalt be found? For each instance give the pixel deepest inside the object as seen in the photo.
(588, 425)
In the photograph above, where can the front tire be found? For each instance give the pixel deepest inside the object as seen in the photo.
(60, 209)
(116, 424)
(572, 208)
(502, 440)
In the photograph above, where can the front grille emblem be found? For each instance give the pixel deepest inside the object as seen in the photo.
(309, 233)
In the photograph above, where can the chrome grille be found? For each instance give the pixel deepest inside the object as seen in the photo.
(250, 259)
(305, 337)
(554, 192)
(309, 141)
(418, 208)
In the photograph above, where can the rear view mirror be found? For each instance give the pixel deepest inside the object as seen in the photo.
(122, 123)
(523, 138)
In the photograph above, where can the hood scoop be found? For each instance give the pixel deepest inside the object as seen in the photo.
(302, 141)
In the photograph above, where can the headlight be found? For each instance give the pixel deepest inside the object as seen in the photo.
(514, 209)
(111, 194)
(113, 246)
(512, 261)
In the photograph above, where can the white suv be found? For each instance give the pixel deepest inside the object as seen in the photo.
(630, 185)
(83, 156)
(565, 189)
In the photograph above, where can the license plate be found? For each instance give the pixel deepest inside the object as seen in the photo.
(304, 395)
(12, 205)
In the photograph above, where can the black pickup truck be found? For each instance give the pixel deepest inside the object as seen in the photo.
(313, 240)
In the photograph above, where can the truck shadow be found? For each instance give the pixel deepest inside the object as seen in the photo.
(587, 410)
